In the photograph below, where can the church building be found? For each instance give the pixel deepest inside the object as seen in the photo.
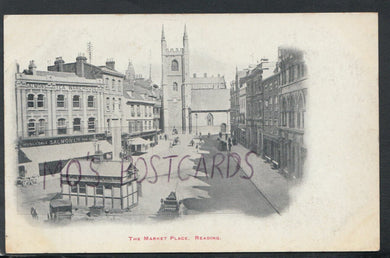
(191, 104)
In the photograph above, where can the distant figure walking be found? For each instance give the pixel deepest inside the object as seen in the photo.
(220, 135)
(165, 136)
(197, 150)
(192, 143)
(34, 213)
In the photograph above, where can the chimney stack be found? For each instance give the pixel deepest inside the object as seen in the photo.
(32, 68)
(110, 63)
(80, 60)
(59, 63)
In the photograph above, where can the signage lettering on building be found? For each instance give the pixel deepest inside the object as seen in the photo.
(61, 140)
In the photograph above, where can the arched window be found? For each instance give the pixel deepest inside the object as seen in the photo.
(91, 124)
(284, 112)
(60, 101)
(175, 87)
(210, 119)
(40, 102)
(91, 102)
(175, 66)
(42, 127)
(108, 104)
(61, 126)
(291, 119)
(301, 113)
(76, 101)
(30, 100)
(76, 125)
(31, 129)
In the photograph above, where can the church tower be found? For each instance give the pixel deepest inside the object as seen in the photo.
(174, 82)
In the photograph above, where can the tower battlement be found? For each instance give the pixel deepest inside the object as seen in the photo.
(174, 51)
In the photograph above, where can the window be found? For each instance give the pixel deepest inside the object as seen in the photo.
(40, 102)
(76, 101)
(113, 85)
(150, 124)
(73, 188)
(99, 190)
(210, 119)
(132, 111)
(119, 104)
(77, 125)
(119, 85)
(42, 127)
(108, 125)
(175, 66)
(131, 126)
(82, 188)
(30, 100)
(31, 130)
(91, 124)
(107, 84)
(60, 101)
(61, 126)
(108, 104)
(91, 102)
(175, 87)
(138, 111)
(113, 104)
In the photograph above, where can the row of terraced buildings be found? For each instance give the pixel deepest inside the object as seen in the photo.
(268, 112)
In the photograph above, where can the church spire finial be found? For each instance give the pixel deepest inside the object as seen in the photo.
(162, 33)
(185, 31)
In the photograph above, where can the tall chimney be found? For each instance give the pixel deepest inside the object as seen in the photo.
(32, 68)
(80, 60)
(59, 63)
(110, 63)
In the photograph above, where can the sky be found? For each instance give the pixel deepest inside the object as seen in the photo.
(217, 43)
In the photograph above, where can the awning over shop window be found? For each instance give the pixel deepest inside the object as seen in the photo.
(64, 151)
(138, 141)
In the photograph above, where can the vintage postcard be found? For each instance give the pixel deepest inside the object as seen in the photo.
(191, 133)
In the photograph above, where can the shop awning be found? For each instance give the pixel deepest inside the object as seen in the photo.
(138, 141)
(64, 151)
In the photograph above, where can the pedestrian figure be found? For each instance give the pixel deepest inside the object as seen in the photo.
(225, 136)
(197, 148)
(192, 143)
(208, 135)
(34, 213)
(230, 146)
(220, 134)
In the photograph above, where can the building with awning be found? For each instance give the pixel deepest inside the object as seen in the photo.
(138, 144)
(50, 159)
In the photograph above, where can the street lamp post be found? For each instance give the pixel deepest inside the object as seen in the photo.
(196, 126)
